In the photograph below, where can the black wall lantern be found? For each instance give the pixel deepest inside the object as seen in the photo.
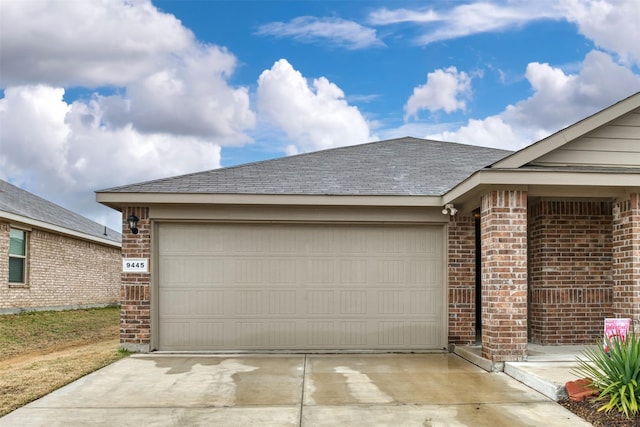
(133, 223)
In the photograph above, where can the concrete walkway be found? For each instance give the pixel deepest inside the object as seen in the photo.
(547, 369)
(294, 390)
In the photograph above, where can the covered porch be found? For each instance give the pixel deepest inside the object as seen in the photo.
(542, 270)
(546, 242)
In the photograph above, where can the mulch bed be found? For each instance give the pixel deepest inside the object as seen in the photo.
(588, 410)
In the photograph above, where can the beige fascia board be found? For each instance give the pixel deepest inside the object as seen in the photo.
(298, 214)
(537, 179)
(568, 134)
(56, 229)
(116, 200)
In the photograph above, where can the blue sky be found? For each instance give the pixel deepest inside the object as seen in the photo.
(100, 93)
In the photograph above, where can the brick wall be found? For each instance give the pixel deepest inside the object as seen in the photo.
(62, 272)
(135, 290)
(503, 224)
(626, 259)
(461, 266)
(569, 270)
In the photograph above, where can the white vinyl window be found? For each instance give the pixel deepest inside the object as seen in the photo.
(17, 256)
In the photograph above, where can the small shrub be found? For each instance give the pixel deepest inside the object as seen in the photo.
(615, 374)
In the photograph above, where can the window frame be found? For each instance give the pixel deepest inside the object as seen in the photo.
(24, 258)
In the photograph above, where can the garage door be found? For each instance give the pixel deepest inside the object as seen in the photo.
(300, 287)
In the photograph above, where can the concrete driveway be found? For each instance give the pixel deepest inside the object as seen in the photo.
(294, 390)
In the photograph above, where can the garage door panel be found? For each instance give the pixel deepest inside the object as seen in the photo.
(187, 239)
(409, 302)
(249, 334)
(191, 271)
(283, 302)
(254, 270)
(271, 241)
(407, 333)
(297, 287)
(353, 302)
(192, 302)
(353, 272)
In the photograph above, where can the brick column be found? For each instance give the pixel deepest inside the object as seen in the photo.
(462, 279)
(626, 258)
(135, 288)
(503, 231)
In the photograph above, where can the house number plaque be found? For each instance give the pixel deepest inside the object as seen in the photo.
(135, 265)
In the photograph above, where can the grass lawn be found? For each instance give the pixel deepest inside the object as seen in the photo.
(42, 351)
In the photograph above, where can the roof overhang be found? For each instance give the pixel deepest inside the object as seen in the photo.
(543, 183)
(30, 222)
(466, 195)
(117, 200)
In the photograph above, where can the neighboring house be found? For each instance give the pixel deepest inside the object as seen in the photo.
(396, 245)
(52, 258)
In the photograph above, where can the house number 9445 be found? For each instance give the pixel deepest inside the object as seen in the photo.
(135, 265)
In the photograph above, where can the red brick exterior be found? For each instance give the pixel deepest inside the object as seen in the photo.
(569, 270)
(626, 258)
(135, 289)
(503, 224)
(462, 280)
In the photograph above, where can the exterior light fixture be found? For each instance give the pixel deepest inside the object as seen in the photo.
(449, 209)
(133, 223)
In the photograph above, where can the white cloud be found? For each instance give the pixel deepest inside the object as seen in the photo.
(190, 99)
(85, 43)
(490, 132)
(335, 31)
(444, 90)
(386, 16)
(70, 153)
(559, 100)
(154, 155)
(466, 19)
(34, 132)
(162, 104)
(314, 116)
(171, 84)
(612, 25)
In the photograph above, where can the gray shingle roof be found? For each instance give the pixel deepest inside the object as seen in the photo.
(398, 167)
(17, 201)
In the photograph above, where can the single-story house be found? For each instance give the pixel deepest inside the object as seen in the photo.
(398, 245)
(52, 258)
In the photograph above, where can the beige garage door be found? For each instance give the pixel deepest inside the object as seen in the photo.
(300, 287)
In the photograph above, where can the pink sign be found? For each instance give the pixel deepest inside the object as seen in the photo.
(616, 328)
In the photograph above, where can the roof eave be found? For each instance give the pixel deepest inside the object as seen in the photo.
(540, 181)
(117, 200)
(57, 229)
